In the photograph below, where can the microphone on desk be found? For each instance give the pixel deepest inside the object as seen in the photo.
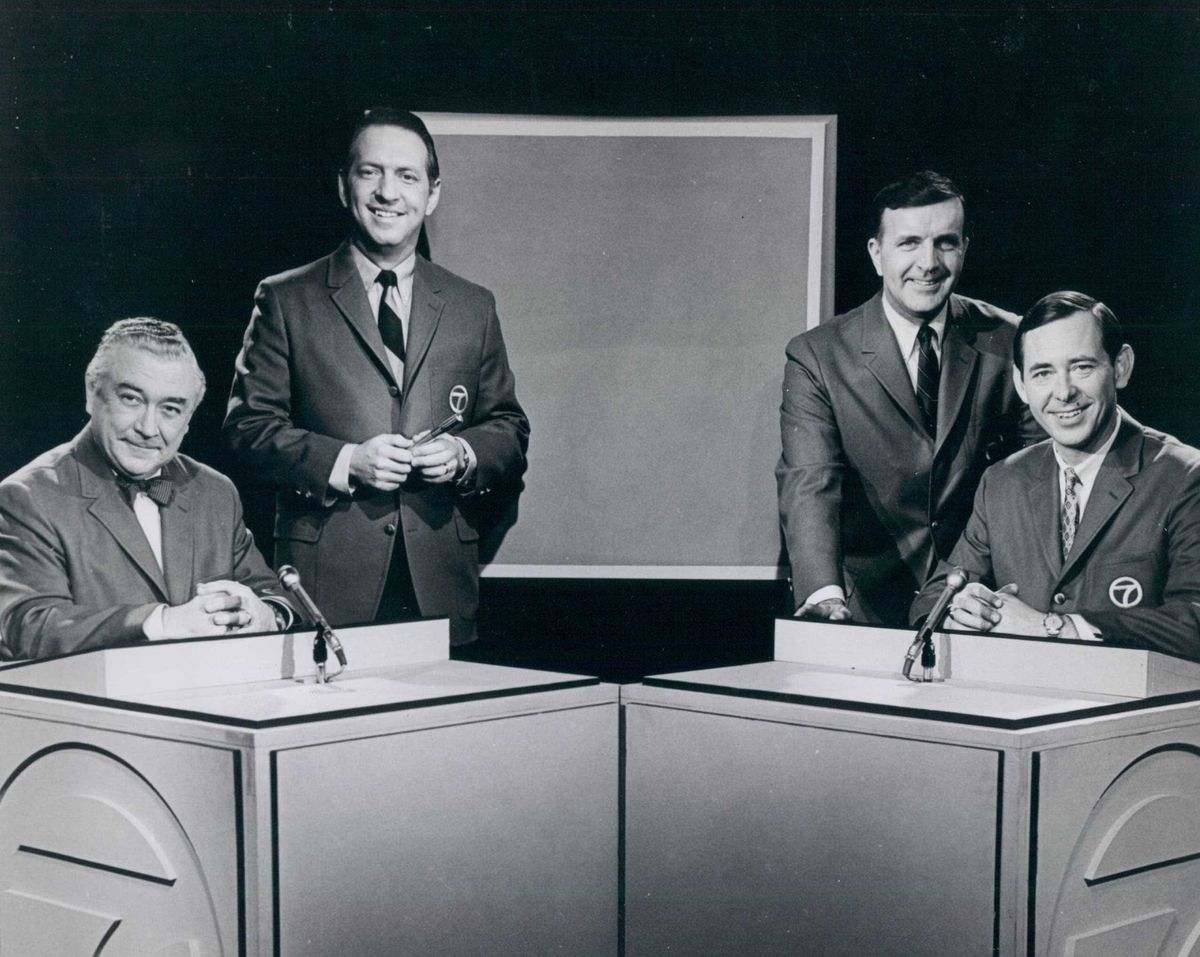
(289, 578)
(923, 642)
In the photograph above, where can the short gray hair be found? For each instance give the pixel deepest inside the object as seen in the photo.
(159, 338)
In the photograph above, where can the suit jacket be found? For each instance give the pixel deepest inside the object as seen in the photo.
(312, 376)
(1138, 541)
(76, 570)
(867, 498)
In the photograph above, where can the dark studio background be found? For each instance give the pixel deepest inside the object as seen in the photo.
(162, 158)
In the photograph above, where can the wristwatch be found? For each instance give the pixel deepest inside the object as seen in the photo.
(1052, 624)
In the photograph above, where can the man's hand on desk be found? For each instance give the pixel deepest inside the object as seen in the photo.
(977, 607)
(219, 608)
(831, 609)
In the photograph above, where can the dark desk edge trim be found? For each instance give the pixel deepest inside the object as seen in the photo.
(948, 717)
(141, 708)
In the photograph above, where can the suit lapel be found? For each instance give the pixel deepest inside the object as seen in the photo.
(1111, 489)
(350, 299)
(179, 538)
(111, 510)
(1041, 496)
(883, 359)
(959, 358)
(423, 319)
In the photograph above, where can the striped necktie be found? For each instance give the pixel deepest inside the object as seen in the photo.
(391, 329)
(928, 374)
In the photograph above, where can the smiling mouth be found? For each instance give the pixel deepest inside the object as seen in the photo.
(385, 213)
(926, 283)
(1068, 415)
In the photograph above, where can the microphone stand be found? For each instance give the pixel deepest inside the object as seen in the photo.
(922, 644)
(325, 638)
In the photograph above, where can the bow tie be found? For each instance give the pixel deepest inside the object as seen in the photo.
(159, 490)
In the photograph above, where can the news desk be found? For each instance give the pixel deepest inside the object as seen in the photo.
(206, 797)
(1044, 799)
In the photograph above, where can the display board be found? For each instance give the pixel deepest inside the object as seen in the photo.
(648, 274)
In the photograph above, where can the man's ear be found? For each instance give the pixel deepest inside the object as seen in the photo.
(873, 251)
(435, 194)
(1123, 366)
(1019, 383)
(342, 192)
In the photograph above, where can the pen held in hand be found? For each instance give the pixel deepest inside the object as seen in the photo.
(442, 428)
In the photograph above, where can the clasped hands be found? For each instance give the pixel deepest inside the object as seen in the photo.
(219, 608)
(386, 461)
(979, 608)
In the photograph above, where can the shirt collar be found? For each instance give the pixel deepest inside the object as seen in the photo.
(1089, 468)
(905, 330)
(369, 270)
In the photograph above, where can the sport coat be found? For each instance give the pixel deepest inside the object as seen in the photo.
(1137, 545)
(76, 570)
(867, 498)
(313, 376)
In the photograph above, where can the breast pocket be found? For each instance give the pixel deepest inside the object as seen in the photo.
(453, 390)
(1129, 582)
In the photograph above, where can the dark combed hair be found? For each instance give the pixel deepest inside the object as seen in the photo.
(925, 188)
(1063, 305)
(389, 116)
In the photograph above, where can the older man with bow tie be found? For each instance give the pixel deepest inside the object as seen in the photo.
(115, 538)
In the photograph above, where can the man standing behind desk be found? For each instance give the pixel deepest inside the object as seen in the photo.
(346, 363)
(1094, 533)
(890, 414)
(115, 538)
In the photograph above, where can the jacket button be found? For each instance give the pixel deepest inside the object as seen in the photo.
(392, 390)
(934, 524)
(1060, 599)
(390, 528)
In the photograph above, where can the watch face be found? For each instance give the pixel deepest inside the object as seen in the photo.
(1052, 624)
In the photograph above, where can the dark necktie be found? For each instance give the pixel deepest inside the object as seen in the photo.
(1070, 510)
(390, 327)
(927, 377)
(159, 490)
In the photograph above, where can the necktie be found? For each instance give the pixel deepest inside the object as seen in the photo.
(390, 327)
(161, 491)
(1070, 510)
(927, 377)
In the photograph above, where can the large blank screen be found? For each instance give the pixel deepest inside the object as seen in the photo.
(648, 275)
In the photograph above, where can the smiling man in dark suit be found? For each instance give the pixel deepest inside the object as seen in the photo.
(115, 538)
(347, 363)
(1095, 533)
(890, 414)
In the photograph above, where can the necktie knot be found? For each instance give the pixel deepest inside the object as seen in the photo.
(160, 490)
(927, 335)
(387, 278)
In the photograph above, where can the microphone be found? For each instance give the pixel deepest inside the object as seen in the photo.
(923, 642)
(289, 578)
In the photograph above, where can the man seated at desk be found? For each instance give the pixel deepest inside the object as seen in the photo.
(1094, 533)
(115, 538)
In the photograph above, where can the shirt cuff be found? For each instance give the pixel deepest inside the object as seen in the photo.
(339, 478)
(152, 627)
(284, 616)
(1084, 631)
(823, 594)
